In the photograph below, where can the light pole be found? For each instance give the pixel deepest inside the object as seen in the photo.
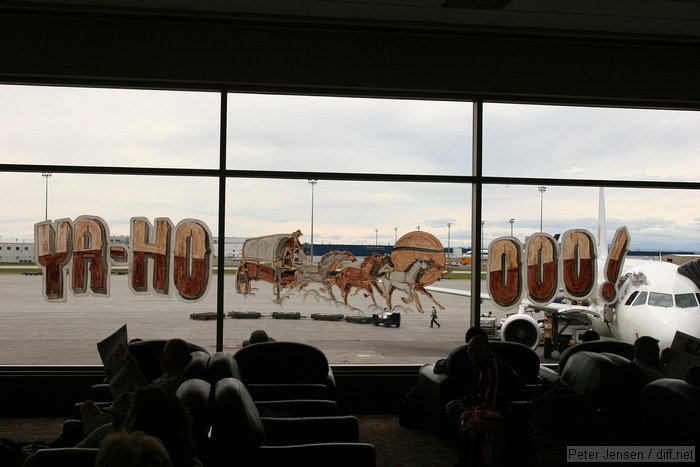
(376, 236)
(511, 226)
(313, 183)
(46, 176)
(418, 227)
(542, 190)
(449, 251)
(396, 229)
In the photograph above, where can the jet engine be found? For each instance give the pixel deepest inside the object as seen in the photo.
(521, 328)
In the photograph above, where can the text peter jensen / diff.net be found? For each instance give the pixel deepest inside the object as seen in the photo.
(641, 454)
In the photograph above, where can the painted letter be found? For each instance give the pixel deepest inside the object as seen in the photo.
(505, 272)
(53, 247)
(192, 259)
(579, 264)
(542, 268)
(90, 253)
(144, 245)
(613, 265)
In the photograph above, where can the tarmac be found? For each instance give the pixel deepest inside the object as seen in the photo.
(37, 332)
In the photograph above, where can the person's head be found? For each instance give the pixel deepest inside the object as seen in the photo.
(479, 352)
(474, 331)
(158, 412)
(646, 350)
(175, 356)
(257, 337)
(121, 448)
(590, 335)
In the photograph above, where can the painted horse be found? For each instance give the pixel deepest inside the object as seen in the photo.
(359, 277)
(408, 281)
(322, 272)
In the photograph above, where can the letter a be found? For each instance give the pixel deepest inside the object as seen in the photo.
(90, 247)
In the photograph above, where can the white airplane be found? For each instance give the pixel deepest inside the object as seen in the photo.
(650, 298)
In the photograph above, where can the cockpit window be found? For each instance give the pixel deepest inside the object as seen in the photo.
(664, 300)
(685, 300)
(641, 299)
(631, 299)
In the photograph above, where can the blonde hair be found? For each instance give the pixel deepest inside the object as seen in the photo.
(121, 449)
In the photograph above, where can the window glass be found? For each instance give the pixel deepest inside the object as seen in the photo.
(362, 218)
(96, 128)
(664, 300)
(658, 220)
(66, 332)
(108, 127)
(590, 143)
(641, 299)
(325, 134)
(632, 297)
(685, 300)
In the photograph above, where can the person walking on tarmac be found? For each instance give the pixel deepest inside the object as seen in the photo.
(433, 318)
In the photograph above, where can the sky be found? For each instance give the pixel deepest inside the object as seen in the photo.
(143, 128)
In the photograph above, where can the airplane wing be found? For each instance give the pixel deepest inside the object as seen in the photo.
(461, 292)
(554, 307)
(522, 327)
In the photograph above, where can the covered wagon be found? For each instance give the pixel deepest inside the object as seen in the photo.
(272, 258)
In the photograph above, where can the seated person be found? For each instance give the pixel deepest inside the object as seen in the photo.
(493, 386)
(137, 448)
(256, 337)
(173, 361)
(646, 357)
(590, 335)
(474, 331)
(159, 412)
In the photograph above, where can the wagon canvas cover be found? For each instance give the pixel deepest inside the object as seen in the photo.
(266, 249)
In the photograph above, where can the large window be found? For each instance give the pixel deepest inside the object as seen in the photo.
(326, 174)
(118, 154)
(370, 136)
(109, 127)
(591, 143)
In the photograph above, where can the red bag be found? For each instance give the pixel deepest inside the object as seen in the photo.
(486, 419)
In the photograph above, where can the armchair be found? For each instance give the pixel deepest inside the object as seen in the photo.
(240, 436)
(613, 387)
(285, 370)
(671, 412)
(624, 349)
(435, 390)
(60, 457)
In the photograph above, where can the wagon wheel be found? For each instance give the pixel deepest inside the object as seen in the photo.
(419, 245)
(242, 280)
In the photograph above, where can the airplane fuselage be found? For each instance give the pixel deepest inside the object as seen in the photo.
(655, 301)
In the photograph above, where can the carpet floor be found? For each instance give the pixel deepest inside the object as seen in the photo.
(396, 446)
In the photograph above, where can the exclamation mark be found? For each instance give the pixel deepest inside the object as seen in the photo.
(613, 264)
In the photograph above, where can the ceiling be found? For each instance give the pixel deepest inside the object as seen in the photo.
(649, 18)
